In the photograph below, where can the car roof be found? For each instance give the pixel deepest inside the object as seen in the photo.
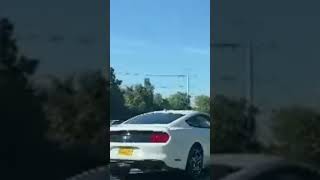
(183, 112)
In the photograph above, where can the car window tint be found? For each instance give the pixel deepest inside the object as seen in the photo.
(205, 121)
(199, 121)
(154, 118)
(192, 122)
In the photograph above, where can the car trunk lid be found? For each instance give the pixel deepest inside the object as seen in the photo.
(128, 133)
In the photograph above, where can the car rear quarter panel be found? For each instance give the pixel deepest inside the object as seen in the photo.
(183, 138)
(180, 145)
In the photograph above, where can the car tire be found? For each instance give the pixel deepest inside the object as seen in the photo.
(194, 165)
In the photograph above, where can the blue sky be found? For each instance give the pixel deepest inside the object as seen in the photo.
(161, 37)
(81, 46)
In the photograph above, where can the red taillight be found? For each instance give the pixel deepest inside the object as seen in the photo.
(159, 137)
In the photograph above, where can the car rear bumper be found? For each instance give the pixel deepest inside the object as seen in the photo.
(145, 152)
(122, 167)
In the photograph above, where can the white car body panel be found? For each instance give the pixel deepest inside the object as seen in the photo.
(175, 151)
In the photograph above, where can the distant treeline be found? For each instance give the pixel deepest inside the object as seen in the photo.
(141, 98)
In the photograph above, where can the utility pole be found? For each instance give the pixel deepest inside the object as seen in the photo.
(250, 73)
(250, 124)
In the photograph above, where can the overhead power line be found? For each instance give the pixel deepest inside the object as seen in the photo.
(174, 75)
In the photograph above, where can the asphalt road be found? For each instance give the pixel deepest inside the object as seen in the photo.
(159, 176)
(102, 173)
(230, 159)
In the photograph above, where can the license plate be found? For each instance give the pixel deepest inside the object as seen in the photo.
(125, 151)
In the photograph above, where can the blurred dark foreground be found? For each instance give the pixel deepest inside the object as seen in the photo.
(43, 134)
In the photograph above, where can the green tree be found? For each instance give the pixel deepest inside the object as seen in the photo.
(117, 102)
(23, 122)
(179, 101)
(76, 111)
(229, 126)
(202, 103)
(158, 102)
(139, 98)
(297, 130)
(149, 97)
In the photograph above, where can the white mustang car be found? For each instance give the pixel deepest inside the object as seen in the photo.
(161, 141)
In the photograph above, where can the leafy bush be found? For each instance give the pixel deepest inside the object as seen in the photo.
(202, 103)
(230, 132)
(297, 131)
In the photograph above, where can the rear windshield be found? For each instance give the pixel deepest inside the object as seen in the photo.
(154, 118)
